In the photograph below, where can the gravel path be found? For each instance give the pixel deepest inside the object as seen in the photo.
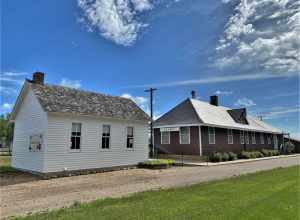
(42, 195)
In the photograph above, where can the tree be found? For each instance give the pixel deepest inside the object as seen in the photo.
(6, 130)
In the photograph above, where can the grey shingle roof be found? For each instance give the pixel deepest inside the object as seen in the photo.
(194, 111)
(68, 100)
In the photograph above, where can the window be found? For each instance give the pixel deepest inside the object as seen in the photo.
(242, 137)
(105, 137)
(165, 137)
(129, 139)
(35, 142)
(184, 135)
(275, 141)
(211, 135)
(75, 136)
(247, 137)
(269, 139)
(262, 138)
(229, 136)
(253, 138)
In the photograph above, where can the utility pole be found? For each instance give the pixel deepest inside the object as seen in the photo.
(151, 90)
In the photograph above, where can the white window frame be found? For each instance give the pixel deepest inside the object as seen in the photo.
(189, 135)
(106, 136)
(161, 137)
(269, 139)
(230, 136)
(211, 135)
(242, 137)
(253, 138)
(275, 141)
(128, 137)
(262, 138)
(247, 137)
(80, 136)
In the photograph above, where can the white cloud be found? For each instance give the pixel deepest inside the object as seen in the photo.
(6, 107)
(12, 77)
(142, 5)
(218, 92)
(139, 100)
(279, 112)
(70, 83)
(216, 79)
(262, 36)
(116, 20)
(244, 102)
(10, 83)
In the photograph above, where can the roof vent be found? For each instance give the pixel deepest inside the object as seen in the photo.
(38, 78)
(193, 93)
(214, 100)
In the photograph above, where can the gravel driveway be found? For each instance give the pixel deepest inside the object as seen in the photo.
(41, 195)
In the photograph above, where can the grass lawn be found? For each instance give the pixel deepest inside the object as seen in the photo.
(266, 195)
(5, 164)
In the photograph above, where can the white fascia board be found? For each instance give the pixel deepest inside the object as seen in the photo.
(239, 128)
(175, 125)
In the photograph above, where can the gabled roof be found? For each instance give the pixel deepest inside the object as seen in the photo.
(59, 99)
(212, 115)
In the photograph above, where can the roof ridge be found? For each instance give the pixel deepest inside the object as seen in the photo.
(81, 90)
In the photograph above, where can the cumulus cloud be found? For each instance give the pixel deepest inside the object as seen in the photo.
(244, 102)
(116, 20)
(5, 108)
(262, 35)
(139, 100)
(70, 83)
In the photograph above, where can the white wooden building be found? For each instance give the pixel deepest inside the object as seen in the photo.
(63, 129)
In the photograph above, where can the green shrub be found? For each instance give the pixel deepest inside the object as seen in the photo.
(225, 157)
(270, 153)
(275, 152)
(256, 154)
(232, 156)
(216, 157)
(157, 163)
(265, 152)
(288, 148)
(244, 155)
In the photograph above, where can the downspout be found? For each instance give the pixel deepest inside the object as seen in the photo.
(200, 141)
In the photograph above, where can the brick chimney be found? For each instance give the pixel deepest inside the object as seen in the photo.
(38, 78)
(214, 100)
(193, 93)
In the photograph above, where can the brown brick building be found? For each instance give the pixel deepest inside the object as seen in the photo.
(194, 127)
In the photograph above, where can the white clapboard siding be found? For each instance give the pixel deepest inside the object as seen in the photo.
(30, 120)
(59, 156)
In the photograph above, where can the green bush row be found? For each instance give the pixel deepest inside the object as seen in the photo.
(157, 162)
(219, 157)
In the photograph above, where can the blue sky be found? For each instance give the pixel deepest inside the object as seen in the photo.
(247, 52)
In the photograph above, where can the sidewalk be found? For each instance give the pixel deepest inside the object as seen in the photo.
(193, 163)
